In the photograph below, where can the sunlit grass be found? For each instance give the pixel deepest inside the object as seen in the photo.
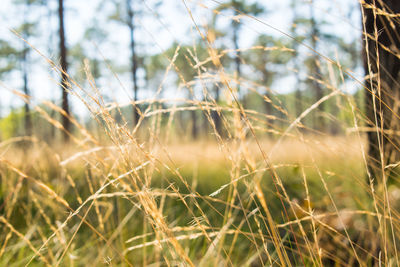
(192, 185)
(265, 189)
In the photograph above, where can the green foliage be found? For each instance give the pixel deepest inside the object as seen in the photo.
(78, 55)
(8, 57)
(241, 6)
(266, 62)
(186, 59)
(118, 15)
(30, 2)
(12, 124)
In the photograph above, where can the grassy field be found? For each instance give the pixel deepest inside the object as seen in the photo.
(290, 201)
(272, 185)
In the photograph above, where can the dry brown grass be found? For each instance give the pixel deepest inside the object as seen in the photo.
(283, 195)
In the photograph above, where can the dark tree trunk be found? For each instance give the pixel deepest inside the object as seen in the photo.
(335, 128)
(216, 116)
(299, 98)
(27, 115)
(134, 63)
(299, 95)
(238, 66)
(382, 83)
(319, 122)
(236, 46)
(194, 124)
(50, 48)
(64, 66)
(269, 109)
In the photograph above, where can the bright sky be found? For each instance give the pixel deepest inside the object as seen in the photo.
(156, 33)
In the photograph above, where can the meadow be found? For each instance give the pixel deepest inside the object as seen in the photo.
(294, 200)
(211, 160)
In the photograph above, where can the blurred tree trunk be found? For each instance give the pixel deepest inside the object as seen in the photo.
(269, 110)
(64, 66)
(194, 124)
(235, 39)
(50, 47)
(27, 115)
(215, 115)
(382, 66)
(319, 122)
(134, 60)
(299, 95)
(240, 6)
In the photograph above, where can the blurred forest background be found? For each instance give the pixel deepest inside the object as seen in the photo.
(128, 46)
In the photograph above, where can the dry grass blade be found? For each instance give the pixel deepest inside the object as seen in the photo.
(229, 151)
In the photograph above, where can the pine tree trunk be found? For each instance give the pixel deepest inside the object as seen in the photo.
(269, 109)
(134, 62)
(194, 124)
(27, 115)
(299, 95)
(216, 116)
(64, 66)
(319, 121)
(382, 68)
(238, 66)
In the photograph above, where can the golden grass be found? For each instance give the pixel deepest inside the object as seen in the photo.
(259, 194)
(180, 167)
